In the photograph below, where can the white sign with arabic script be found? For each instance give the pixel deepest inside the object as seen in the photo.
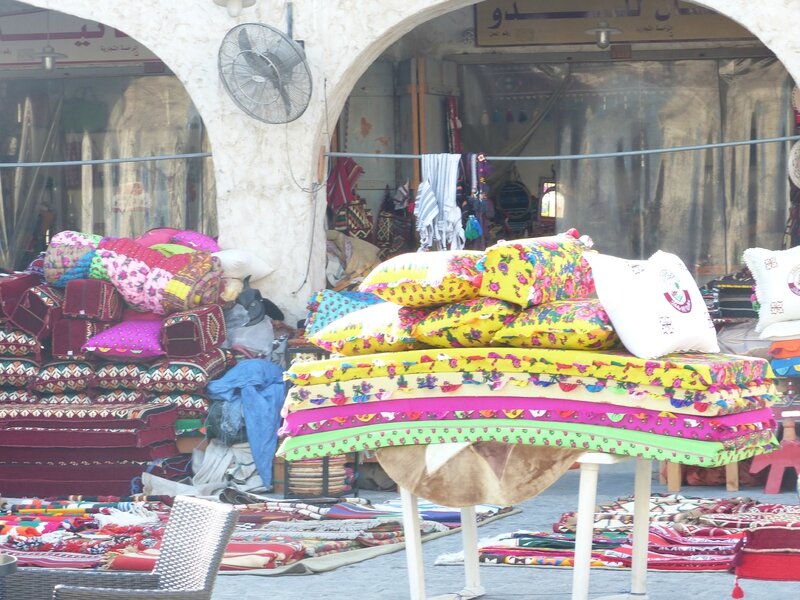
(553, 22)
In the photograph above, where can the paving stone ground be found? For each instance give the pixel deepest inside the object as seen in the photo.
(385, 577)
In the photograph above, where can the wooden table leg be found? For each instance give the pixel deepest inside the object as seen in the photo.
(674, 477)
(732, 477)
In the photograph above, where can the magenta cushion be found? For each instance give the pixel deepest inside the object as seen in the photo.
(128, 340)
(195, 240)
(159, 235)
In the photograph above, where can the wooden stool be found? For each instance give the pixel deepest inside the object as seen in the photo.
(674, 478)
(785, 457)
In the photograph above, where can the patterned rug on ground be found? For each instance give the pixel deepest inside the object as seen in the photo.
(124, 533)
(686, 534)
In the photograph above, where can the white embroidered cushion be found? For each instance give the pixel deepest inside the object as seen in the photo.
(655, 305)
(777, 275)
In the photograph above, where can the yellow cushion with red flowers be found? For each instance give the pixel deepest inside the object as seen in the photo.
(538, 270)
(420, 279)
(566, 324)
(383, 327)
(468, 324)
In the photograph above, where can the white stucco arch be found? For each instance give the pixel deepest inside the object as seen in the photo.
(262, 204)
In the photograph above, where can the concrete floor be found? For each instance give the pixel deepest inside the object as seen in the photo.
(385, 577)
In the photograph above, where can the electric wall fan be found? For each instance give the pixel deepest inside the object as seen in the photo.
(265, 72)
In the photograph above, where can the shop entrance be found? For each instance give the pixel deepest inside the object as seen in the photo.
(672, 74)
(106, 101)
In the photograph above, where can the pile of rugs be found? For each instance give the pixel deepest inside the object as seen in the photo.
(124, 533)
(104, 352)
(512, 346)
(757, 540)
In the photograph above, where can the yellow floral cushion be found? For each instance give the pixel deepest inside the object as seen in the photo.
(468, 324)
(421, 279)
(565, 324)
(383, 327)
(538, 270)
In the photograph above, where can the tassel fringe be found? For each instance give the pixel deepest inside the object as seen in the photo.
(737, 593)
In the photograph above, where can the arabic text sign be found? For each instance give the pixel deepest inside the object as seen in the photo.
(21, 35)
(552, 22)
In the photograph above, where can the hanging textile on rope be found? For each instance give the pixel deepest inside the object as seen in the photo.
(426, 210)
(341, 182)
(453, 125)
(395, 227)
(438, 215)
(472, 195)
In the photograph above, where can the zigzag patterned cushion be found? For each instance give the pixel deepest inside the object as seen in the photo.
(67, 398)
(121, 397)
(63, 376)
(187, 375)
(15, 342)
(113, 376)
(18, 397)
(17, 372)
(189, 405)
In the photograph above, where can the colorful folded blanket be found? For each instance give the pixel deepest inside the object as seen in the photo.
(527, 410)
(446, 385)
(69, 256)
(566, 435)
(683, 371)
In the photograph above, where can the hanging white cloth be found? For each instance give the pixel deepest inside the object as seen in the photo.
(426, 210)
(440, 173)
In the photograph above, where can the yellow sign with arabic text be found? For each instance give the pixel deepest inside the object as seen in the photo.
(554, 22)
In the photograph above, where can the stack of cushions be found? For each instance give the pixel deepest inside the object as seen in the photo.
(20, 351)
(93, 387)
(78, 436)
(524, 352)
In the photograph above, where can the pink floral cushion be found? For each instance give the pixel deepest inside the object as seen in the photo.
(129, 340)
(196, 240)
